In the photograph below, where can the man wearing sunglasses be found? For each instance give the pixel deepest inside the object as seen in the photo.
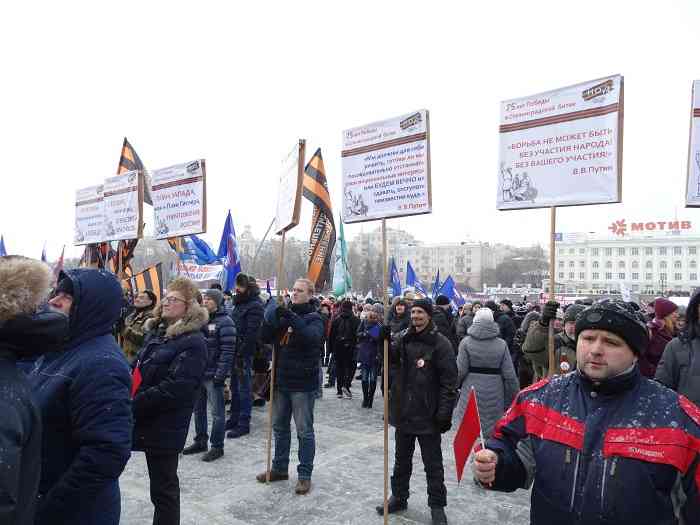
(602, 444)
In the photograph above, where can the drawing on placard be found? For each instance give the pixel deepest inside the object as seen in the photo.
(518, 187)
(355, 205)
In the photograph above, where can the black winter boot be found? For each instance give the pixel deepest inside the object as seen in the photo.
(195, 448)
(370, 393)
(395, 505)
(438, 516)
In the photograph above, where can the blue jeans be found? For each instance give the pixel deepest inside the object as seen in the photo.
(301, 406)
(213, 397)
(241, 395)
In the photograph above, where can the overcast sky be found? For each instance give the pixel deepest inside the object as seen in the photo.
(238, 83)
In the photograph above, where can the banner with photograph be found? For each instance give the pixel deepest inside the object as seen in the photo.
(179, 199)
(89, 216)
(289, 189)
(386, 169)
(562, 147)
(123, 206)
(693, 181)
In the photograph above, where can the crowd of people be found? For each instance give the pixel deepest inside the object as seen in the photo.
(90, 374)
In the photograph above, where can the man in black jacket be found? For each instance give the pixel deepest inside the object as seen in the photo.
(248, 317)
(422, 397)
(342, 342)
(221, 339)
(24, 334)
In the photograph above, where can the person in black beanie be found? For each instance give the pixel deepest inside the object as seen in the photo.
(603, 444)
(444, 320)
(422, 396)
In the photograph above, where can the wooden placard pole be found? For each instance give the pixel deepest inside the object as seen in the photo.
(280, 283)
(552, 283)
(385, 295)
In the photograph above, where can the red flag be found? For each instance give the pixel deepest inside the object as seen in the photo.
(135, 381)
(469, 430)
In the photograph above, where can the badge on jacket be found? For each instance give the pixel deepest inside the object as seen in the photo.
(420, 363)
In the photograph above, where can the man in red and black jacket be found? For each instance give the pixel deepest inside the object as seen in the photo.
(602, 444)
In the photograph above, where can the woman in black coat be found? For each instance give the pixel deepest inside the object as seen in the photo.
(171, 364)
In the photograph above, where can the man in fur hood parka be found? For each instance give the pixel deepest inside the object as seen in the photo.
(25, 333)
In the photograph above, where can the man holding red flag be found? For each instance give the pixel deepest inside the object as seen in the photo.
(603, 444)
(422, 397)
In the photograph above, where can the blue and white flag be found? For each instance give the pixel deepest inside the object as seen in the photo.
(3, 251)
(413, 281)
(228, 250)
(436, 286)
(395, 280)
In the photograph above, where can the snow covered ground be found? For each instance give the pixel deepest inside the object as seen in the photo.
(347, 481)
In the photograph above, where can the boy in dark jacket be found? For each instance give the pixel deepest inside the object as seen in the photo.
(423, 392)
(221, 339)
(25, 333)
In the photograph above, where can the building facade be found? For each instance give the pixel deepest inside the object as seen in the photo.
(646, 261)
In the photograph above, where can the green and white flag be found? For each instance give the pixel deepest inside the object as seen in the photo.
(342, 282)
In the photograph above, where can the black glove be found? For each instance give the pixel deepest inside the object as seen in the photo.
(549, 312)
(443, 425)
(219, 381)
(385, 332)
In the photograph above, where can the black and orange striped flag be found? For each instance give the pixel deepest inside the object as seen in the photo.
(149, 279)
(126, 249)
(130, 161)
(322, 239)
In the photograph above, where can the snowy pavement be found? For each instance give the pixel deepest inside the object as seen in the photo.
(347, 482)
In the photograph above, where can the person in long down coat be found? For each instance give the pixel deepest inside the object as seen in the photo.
(171, 364)
(26, 332)
(83, 393)
(662, 328)
(484, 363)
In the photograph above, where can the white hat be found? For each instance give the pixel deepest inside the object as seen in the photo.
(483, 315)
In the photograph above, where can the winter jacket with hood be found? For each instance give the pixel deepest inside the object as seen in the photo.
(679, 367)
(608, 452)
(83, 392)
(172, 364)
(484, 363)
(297, 333)
(444, 322)
(24, 333)
(423, 381)
(247, 315)
(463, 325)
(659, 337)
(220, 334)
(343, 336)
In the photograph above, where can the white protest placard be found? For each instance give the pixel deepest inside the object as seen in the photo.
(562, 147)
(289, 189)
(123, 206)
(89, 216)
(692, 197)
(201, 272)
(180, 199)
(386, 169)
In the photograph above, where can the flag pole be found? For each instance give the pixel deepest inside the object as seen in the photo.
(257, 251)
(481, 430)
(552, 282)
(280, 282)
(386, 378)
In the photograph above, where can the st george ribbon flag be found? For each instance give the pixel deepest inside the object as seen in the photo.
(130, 161)
(395, 279)
(413, 281)
(228, 250)
(469, 430)
(322, 239)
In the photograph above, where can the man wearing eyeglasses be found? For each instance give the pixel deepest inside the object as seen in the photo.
(602, 444)
(297, 333)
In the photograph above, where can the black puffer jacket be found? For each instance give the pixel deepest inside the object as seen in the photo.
(221, 340)
(423, 381)
(444, 322)
(248, 317)
(297, 333)
(172, 364)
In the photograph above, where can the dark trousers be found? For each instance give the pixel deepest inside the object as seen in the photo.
(344, 368)
(165, 487)
(431, 452)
